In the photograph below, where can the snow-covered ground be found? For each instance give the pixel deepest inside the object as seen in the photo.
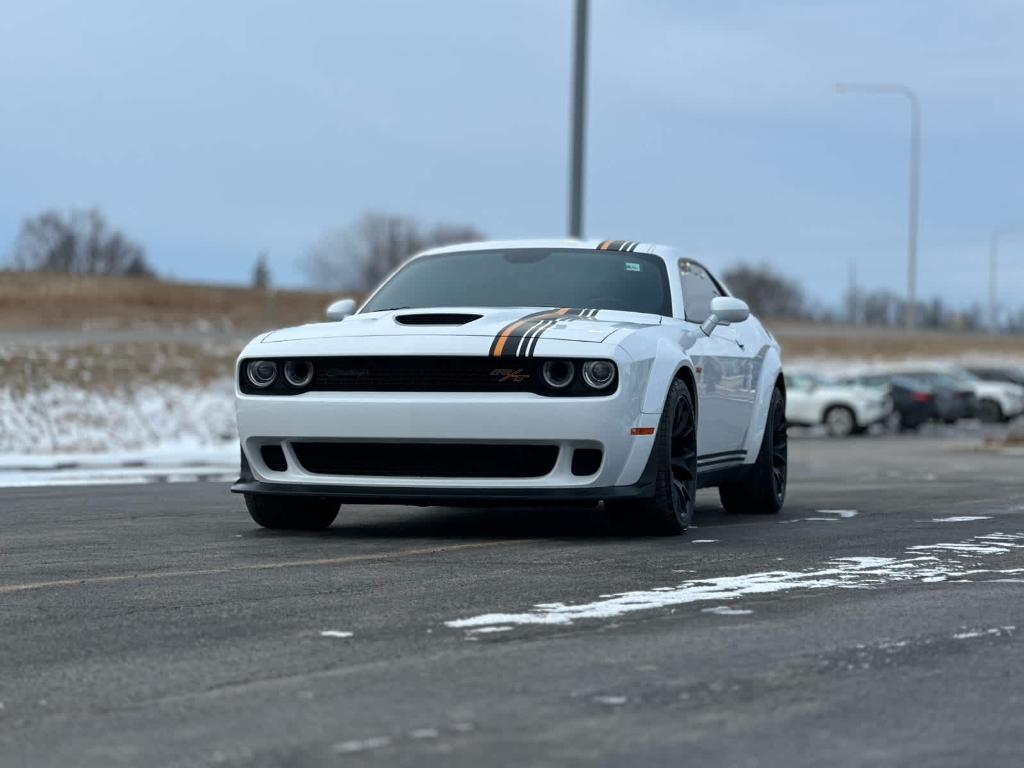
(116, 413)
(169, 462)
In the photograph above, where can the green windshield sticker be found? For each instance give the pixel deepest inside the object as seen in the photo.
(632, 266)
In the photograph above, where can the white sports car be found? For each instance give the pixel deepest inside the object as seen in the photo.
(517, 372)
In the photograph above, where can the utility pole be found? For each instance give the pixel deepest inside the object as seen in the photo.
(852, 293)
(579, 115)
(915, 176)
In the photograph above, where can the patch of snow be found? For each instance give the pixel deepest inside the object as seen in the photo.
(960, 519)
(361, 745)
(994, 631)
(335, 633)
(704, 541)
(842, 513)
(611, 701)
(943, 561)
(485, 630)
(725, 610)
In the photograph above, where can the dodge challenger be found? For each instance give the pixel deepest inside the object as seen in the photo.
(559, 372)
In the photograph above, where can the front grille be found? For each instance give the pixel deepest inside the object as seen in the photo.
(426, 459)
(423, 374)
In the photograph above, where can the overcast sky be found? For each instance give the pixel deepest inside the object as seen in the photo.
(210, 131)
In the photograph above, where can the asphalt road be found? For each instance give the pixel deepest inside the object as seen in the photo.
(156, 625)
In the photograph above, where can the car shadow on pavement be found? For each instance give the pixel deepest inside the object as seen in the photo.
(495, 523)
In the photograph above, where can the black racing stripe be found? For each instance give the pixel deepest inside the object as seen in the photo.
(525, 320)
(633, 247)
(532, 346)
(625, 246)
(542, 326)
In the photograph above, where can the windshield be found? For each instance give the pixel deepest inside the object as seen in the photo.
(530, 277)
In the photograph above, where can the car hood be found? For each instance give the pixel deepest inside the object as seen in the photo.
(463, 321)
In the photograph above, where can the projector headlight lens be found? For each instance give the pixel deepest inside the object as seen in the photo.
(298, 373)
(558, 374)
(598, 374)
(261, 373)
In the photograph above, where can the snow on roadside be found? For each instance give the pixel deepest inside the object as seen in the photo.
(171, 462)
(64, 418)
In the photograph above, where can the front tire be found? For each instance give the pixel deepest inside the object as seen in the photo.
(990, 412)
(762, 491)
(292, 513)
(670, 510)
(840, 421)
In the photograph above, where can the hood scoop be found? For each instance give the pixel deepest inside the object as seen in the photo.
(436, 318)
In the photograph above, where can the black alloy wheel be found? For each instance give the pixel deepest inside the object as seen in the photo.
(683, 459)
(762, 489)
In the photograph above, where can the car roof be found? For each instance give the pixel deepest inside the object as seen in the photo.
(633, 246)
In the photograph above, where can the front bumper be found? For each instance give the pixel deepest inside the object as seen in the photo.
(873, 412)
(569, 423)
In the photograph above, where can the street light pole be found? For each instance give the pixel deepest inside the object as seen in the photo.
(993, 267)
(579, 108)
(915, 176)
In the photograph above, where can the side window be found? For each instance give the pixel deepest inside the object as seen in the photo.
(699, 288)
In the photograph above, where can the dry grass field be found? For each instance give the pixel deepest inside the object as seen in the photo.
(30, 301)
(33, 301)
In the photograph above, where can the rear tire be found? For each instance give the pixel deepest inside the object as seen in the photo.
(762, 491)
(292, 513)
(670, 510)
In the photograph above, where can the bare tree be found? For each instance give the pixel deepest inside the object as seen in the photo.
(769, 293)
(359, 256)
(80, 243)
(261, 272)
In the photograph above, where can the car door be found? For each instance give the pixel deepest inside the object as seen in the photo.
(725, 368)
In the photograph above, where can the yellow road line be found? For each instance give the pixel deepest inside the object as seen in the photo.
(152, 575)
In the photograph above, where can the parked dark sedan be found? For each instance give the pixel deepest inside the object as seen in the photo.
(953, 401)
(914, 402)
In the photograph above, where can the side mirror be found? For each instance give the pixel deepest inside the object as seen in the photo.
(341, 309)
(725, 310)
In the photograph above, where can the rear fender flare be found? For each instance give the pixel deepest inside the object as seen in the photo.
(771, 371)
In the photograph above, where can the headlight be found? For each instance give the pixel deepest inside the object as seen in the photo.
(298, 373)
(598, 374)
(261, 373)
(558, 374)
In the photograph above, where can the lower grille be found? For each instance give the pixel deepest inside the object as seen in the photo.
(426, 459)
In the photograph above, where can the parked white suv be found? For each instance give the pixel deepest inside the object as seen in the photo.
(997, 400)
(843, 409)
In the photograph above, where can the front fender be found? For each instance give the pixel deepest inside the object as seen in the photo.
(669, 359)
